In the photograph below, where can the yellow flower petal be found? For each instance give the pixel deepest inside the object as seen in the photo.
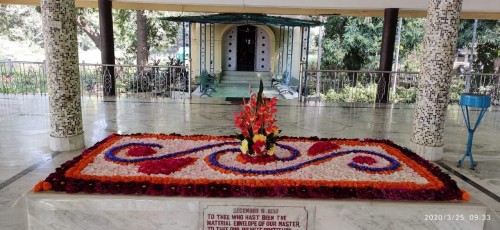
(270, 152)
(259, 137)
(244, 146)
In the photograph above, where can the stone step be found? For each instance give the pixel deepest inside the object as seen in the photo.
(242, 81)
(246, 73)
(244, 84)
(245, 79)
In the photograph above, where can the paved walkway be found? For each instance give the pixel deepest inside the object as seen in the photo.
(25, 157)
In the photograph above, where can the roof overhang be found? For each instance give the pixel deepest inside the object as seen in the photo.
(480, 9)
(244, 18)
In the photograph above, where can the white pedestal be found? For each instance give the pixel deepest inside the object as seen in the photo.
(427, 152)
(49, 210)
(63, 144)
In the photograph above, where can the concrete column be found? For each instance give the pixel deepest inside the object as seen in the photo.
(107, 46)
(440, 42)
(61, 55)
(387, 53)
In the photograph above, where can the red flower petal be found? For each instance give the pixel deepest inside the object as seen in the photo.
(322, 147)
(364, 160)
(165, 166)
(259, 147)
(140, 151)
(247, 159)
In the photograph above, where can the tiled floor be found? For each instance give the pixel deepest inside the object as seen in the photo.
(24, 130)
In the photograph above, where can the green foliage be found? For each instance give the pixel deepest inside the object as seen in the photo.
(488, 31)
(161, 34)
(367, 94)
(353, 43)
(359, 93)
(487, 42)
(411, 44)
(404, 95)
(408, 95)
(21, 23)
(349, 42)
(457, 88)
(91, 18)
(22, 82)
(412, 34)
(486, 54)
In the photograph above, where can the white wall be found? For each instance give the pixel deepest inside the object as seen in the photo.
(220, 29)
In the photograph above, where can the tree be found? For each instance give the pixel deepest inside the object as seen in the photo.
(88, 24)
(353, 43)
(411, 47)
(349, 42)
(142, 38)
(154, 35)
(21, 23)
(487, 42)
(133, 28)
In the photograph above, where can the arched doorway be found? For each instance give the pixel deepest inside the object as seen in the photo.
(245, 52)
(246, 48)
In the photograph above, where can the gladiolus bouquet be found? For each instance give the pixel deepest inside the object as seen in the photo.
(257, 125)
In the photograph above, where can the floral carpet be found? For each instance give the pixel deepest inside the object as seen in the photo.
(214, 166)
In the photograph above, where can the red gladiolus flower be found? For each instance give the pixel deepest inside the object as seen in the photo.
(245, 133)
(257, 118)
(269, 130)
(262, 110)
(256, 127)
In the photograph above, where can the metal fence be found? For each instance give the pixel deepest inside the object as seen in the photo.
(482, 83)
(130, 80)
(136, 81)
(22, 77)
(361, 86)
(18, 77)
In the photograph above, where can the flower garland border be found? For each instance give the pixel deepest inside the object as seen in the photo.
(60, 180)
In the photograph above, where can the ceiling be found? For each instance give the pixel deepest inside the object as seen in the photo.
(480, 9)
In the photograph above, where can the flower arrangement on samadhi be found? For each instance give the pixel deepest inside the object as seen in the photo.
(257, 125)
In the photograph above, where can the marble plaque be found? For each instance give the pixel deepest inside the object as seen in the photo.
(250, 217)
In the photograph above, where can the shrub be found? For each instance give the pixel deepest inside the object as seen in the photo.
(404, 95)
(456, 89)
(359, 93)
